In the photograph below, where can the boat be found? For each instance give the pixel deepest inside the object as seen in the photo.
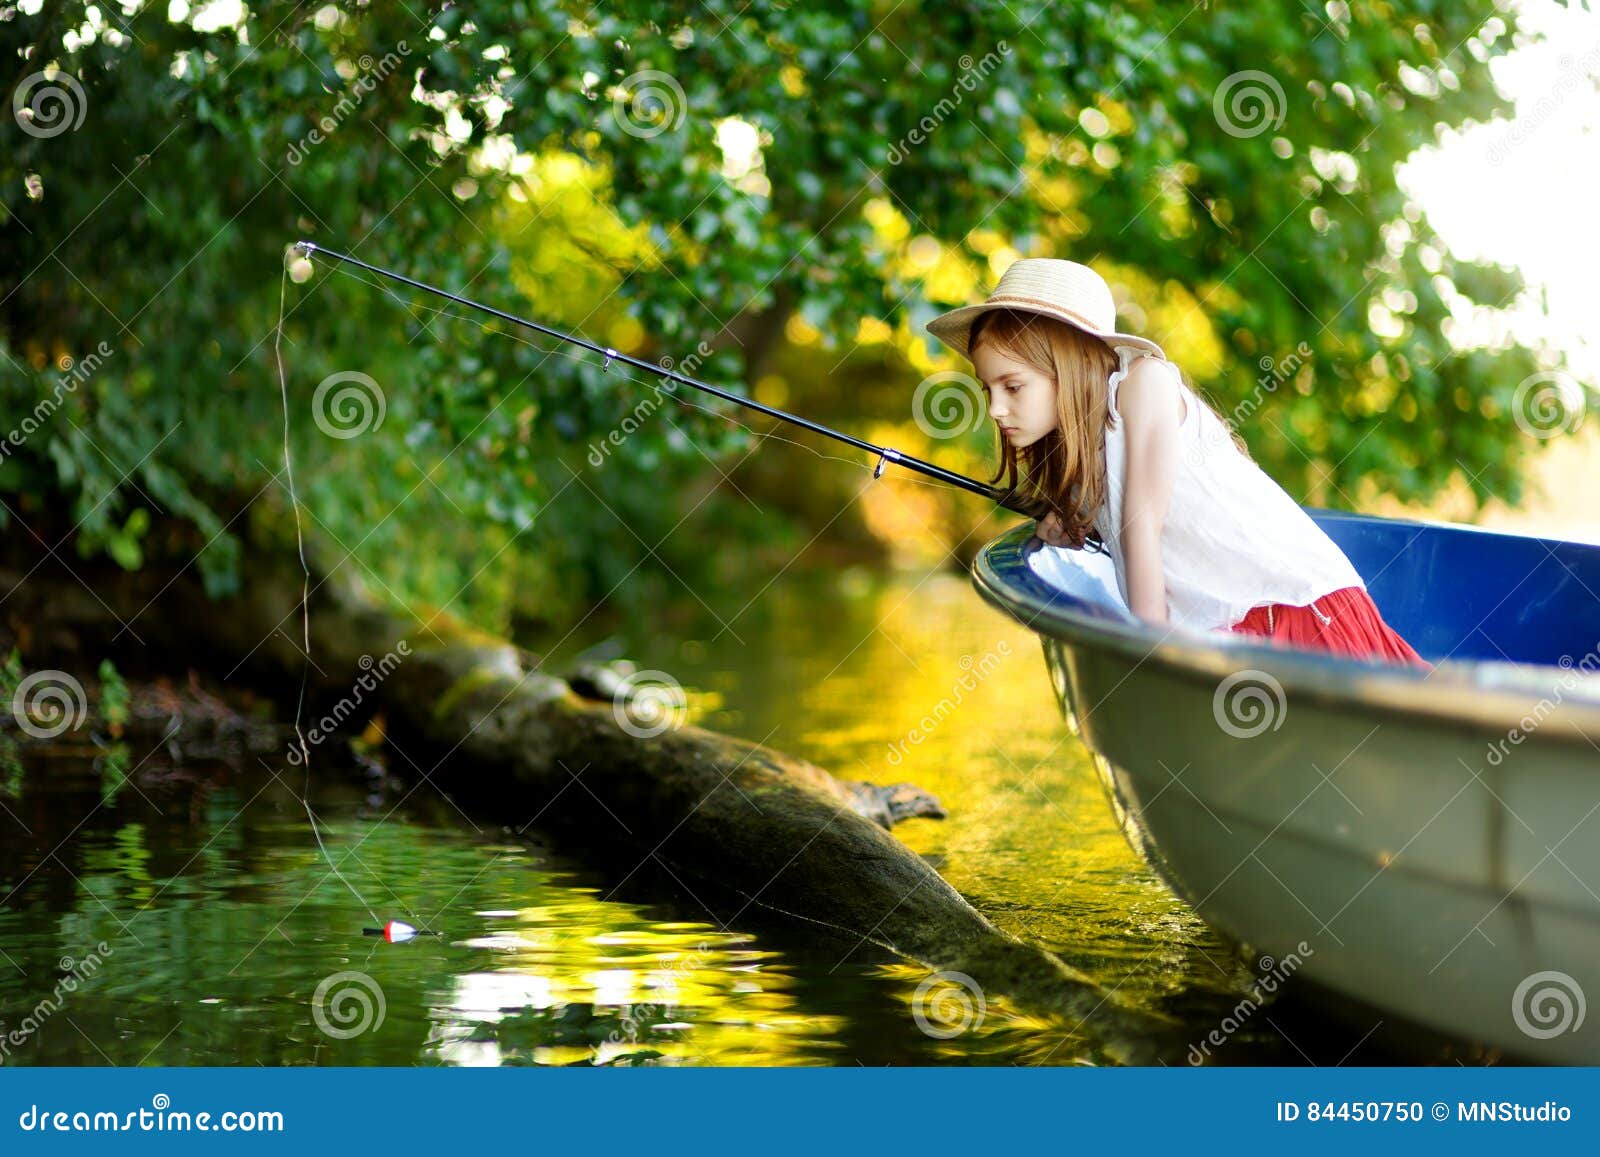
(1421, 843)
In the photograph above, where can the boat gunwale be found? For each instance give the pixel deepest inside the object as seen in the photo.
(1454, 692)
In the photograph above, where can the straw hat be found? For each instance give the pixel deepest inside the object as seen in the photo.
(1065, 290)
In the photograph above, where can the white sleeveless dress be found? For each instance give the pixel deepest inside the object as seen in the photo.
(1233, 538)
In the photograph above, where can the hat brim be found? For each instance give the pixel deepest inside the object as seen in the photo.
(954, 329)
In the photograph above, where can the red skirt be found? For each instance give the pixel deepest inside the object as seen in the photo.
(1345, 621)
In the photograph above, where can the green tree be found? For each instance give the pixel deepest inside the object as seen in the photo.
(709, 181)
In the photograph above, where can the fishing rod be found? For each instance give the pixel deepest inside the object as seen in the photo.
(1009, 499)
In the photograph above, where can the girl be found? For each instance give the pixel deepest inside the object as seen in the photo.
(1112, 440)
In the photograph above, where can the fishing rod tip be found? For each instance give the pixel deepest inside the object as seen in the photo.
(306, 246)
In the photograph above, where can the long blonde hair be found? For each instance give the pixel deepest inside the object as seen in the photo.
(1065, 470)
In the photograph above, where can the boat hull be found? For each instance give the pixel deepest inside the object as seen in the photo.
(1394, 844)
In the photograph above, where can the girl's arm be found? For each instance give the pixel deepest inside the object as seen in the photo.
(1152, 407)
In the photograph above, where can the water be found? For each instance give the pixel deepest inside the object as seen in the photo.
(226, 939)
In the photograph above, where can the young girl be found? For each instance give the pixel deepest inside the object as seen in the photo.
(1113, 440)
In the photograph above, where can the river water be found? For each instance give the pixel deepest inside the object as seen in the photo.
(191, 918)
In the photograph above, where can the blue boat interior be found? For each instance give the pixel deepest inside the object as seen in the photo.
(1461, 593)
(1452, 591)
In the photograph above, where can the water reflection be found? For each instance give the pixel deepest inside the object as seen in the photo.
(918, 680)
(227, 927)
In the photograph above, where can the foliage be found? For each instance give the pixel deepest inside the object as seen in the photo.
(113, 698)
(10, 760)
(510, 150)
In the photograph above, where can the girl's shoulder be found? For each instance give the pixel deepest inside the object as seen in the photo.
(1137, 360)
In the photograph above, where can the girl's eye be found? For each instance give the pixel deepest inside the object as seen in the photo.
(1010, 389)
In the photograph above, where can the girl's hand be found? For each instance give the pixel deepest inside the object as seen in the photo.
(1052, 529)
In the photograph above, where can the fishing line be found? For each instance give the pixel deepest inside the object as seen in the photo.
(305, 606)
(396, 931)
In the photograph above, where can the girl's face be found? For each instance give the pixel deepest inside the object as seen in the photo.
(1022, 400)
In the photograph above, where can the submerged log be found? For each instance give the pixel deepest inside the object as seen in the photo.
(477, 718)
